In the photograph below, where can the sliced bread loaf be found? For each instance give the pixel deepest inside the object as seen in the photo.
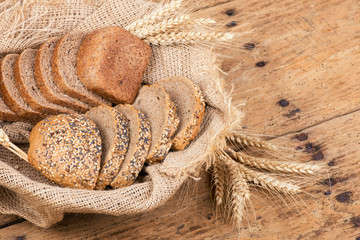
(25, 82)
(45, 81)
(114, 130)
(139, 145)
(64, 70)
(66, 149)
(155, 103)
(190, 107)
(111, 62)
(11, 94)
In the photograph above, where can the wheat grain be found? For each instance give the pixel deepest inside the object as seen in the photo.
(276, 166)
(246, 141)
(5, 141)
(188, 37)
(219, 181)
(269, 181)
(154, 17)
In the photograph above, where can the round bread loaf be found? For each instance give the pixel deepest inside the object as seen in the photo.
(111, 62)
(114, 130)
(140, 138)
(66, 149)
(190, 107)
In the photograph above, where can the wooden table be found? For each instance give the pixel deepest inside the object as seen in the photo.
(306, 53)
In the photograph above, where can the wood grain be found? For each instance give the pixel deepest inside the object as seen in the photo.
(311, 51)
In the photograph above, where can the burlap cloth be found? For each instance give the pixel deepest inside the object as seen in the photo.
(26, 193)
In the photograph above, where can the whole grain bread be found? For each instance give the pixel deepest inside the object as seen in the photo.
(190, 107)
(139, 145)
(111, 62)
(66, 149)
(114, 130)
(155, 103)
(11, 95)
(25, 82)
(64, 70)
(45, 81)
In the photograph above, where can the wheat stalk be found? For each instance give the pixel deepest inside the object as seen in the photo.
(268, 181)
(154, 17)
(273, 165)
(246, 141)
(5, 141)
(188, 37)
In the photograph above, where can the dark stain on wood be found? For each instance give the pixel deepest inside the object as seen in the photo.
(283, 103)
(292, 113)
(327, 193)
(231, 24)
(356, 221)
(179, 228)
(23, 237)
(230, 12)
(331, 163)
(209, 216)
(261, 64)
(330, 182)
(249, 46)
(301, 136)
(311, 148)
(344, 197)
(318, 155)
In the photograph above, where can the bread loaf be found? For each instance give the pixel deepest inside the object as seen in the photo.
(45, 81)
(111, 62)
(66, 149)
(155, 103)
(139, 144)
(11, 94)
(26, 84)
(114, 131)
(190, 107)
(64, 70)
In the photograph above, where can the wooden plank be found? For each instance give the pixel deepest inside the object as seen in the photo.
(190, 214)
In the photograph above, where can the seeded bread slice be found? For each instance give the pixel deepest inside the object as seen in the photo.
(64, 70)
(45, 81)
(114, 130)
(190, 107)
(66, 149)
(139, 145)
(25, 82)
(111, 62)
(155, 103)
(11, 94)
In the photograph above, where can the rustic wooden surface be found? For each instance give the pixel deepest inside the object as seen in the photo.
(306, 52)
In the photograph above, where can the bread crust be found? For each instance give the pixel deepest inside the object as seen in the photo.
(133, 164)
(25, 93)
(66, 149)
(111, 62)
(58, 78)
(47, 92)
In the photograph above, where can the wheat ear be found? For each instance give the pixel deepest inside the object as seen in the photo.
(246, 141)
(268, 181)
(276, 166)
(219, 181)
(240, 192)
(188, 37)
(154, 17)
(5, 141)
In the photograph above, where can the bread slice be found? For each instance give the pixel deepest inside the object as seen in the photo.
(64, 70)
(114, 130)
(11, 94)
(111, 62)
(190, 107)
(66, 148)
(139, 145)
(25, 82)
(155, 103)
(45, 81)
